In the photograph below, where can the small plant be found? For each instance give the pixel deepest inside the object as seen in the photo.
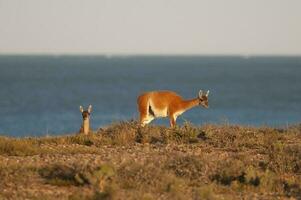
(60, 175)
(204, 192)
(190, 167)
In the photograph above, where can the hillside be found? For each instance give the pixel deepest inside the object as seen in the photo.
(124, 161)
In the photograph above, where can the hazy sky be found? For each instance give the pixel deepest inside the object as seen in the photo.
(151, 26)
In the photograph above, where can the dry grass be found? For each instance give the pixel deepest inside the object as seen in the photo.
(125, 161)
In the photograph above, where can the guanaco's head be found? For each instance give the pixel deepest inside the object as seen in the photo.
(85, 113)
(203, 99)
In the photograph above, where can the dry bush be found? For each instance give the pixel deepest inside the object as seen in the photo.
(228, 171)
(204, 192)
(60, 175)
(123, 133)
(284, 158)
(189, 167)
(17, 147)
(150, 134)
(150, 178)
(77, 174)
(183, 134)
(127, 133)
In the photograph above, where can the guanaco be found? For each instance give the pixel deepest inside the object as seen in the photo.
(157, 104)
(85, 127)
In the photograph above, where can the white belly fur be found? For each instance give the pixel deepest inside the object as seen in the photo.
(158, 112)
(178, 113)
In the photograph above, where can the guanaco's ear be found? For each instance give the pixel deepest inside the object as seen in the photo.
(90, 108)
(207, 93)
(200, 94)
(81, 109)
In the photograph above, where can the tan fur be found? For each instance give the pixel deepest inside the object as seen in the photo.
(164, 104)
(85, 127)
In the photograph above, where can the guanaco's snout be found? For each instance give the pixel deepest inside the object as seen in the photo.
(85, 114)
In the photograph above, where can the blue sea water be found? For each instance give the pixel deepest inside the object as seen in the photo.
(41, 95)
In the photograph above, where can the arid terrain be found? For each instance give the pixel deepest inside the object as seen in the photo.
(124, 161)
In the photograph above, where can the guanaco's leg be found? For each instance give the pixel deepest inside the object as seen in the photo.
(172, 121)
(145, 118)
(143, 107)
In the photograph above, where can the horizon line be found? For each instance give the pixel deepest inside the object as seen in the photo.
(149, 54)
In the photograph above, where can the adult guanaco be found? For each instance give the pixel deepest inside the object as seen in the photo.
(85, 127)
(157, 104)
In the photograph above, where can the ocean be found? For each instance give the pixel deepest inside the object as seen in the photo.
(41, 95)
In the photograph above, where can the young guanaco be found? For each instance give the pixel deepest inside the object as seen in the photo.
(85, 127)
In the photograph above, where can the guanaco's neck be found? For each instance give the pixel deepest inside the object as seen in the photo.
(188, 104)
(86, 125)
